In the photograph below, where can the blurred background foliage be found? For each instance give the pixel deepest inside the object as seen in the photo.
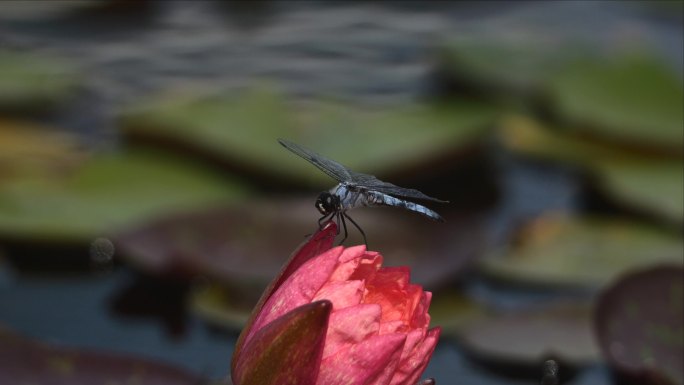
(145, 202)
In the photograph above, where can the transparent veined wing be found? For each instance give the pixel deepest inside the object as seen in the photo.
(328, 166)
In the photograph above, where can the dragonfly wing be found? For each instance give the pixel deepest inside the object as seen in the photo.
(372, 183)
(328, 166)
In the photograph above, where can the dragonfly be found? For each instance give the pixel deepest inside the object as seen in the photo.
(355, 189)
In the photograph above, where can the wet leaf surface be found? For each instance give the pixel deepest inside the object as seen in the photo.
(526, 338)
(639, 324)
(633, 99)
(34, 83)
(24, 361)
(553, 250)
(106, 193)
(244, 246)
(215, 127)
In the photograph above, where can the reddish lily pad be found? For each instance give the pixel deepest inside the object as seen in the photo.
(639, 324)
(633, 99)
(554, 250)
(23, 361)
(105, 194)
(239, 132)
(245, 246)
(525, 338)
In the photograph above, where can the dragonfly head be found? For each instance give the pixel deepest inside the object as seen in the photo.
(327, 203)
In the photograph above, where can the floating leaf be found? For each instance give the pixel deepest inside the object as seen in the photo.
(642, 181)
(526, 338)
(27, 150)
(106, 193)
(240, 131)
(558, 251)
(452, 310)
(24, 361)
(504, 69)
(640, 325)
(651, 186)
(632, 99)
(29, 82)
(245, 246)
(220, 307)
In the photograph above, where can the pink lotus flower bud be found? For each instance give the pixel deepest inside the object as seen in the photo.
(335, 316)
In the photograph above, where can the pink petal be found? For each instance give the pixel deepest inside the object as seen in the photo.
(410, 369)
(318, 243)
(363, 363)
(389, 289)
(350, 326)
(421, 318)
(341, 294)
(288, 351)
(397, 326)
(349, 262)
(298, 289)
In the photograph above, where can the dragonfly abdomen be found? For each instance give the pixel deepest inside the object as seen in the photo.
(375, 198)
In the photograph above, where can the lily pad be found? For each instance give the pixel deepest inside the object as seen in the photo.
(28, 150)
(581, 253)
(240, 131)
(502, 68)
(635, 180)
(219, 307)
(452, 311)
(243, 247)
(526, 338)
(639, 324)
(634, 99)
(649, 186)
(34, 83)
(24, 361)
(105, 194)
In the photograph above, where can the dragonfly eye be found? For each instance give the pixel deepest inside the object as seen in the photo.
(325, 203)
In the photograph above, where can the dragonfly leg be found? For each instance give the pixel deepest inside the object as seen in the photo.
(365, 242)
(324, 219)
(344, 225)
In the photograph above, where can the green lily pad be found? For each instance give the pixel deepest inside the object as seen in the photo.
(641, 181)
(590, 252)
(633, 99)
(34, 83)
(639, 324)
(219, 307)
(27, 150)
(24, 361)
(649, 186)
(105, 194)
(504, 68)
(240, 131)
(525, 338)
(453, 311)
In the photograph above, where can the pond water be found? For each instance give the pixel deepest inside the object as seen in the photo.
(366, 52)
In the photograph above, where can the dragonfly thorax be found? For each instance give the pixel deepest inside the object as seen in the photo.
(327, 203)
